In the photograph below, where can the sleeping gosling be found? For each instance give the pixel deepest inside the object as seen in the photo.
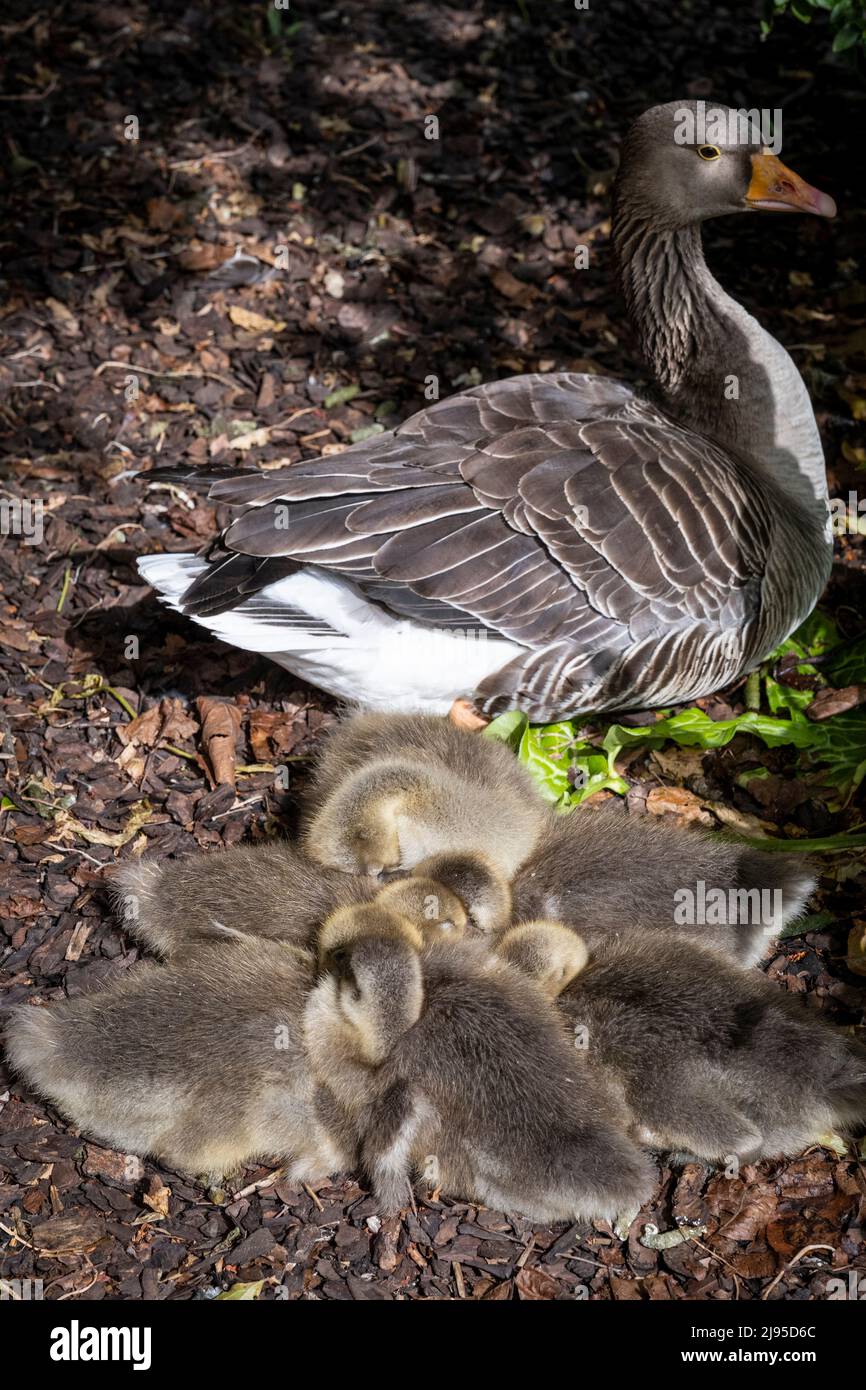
(390, 790)
(446, 1062)
(604, 871)
(714, 1061)
(198, 1062)
(270, 890)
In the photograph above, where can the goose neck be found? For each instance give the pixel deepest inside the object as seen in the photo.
(715, 369)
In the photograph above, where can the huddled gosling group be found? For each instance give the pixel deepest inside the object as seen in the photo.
(447, 980)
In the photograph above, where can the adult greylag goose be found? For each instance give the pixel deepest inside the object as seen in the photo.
(556, 543)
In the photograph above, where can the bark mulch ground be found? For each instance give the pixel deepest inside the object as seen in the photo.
(276, 264)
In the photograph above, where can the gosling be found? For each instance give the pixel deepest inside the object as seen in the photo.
(390, 790)
(446, 1062)
(199, 1062)
(714, 1062)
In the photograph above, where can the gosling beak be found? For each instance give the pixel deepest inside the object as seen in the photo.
(776, 188)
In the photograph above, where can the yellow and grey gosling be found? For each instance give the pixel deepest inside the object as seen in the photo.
(713, 1061)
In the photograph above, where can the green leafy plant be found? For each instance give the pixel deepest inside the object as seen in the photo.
(847, 20)
(568, 763)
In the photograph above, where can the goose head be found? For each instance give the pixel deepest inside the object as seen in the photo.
(685, 162)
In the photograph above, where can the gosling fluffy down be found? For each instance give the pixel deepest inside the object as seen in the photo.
(200, 1063)
(269, 890)
(389, 791)
(606, 872)
(713, 1061)
(449, 1064)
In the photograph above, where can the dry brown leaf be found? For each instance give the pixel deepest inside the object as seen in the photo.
(513, 289)
(157, 1197)
(204, 256)
(163, 214)
(32, 834)
(625, 1290)
(663, 801)
(532, 1284)
(70, 1234)
(132, 762)
(758, 1205)
(677, 762)
(254, 323)
(273, 733)
(18, 636)
(142, 730)
(168, 721)
(500, 1293)
(759, 1263)
(19, 906)
(220, 726)
(64, 320)
(742, 821)
(828, 702)
(66, 827)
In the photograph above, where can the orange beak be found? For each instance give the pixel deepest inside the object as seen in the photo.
(776, 188)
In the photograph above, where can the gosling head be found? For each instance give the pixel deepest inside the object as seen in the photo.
(478, 884)
(379, 817)
(357, 834)
(376, 989)
(339, 932)
(549, 953)
(424, 902)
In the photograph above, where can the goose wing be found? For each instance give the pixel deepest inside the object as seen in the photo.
(551, 509)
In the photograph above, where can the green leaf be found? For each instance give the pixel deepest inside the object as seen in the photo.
(341, 395)
(542, 750)
(238, 1293)
(849, 667)
(693, 729)
(567, 769)
(7, 804)
(816, 921)
(507, 728)
(367, 432)
(752, 774)
(846, 38)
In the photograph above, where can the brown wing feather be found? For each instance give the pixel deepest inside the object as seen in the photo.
(555, 509)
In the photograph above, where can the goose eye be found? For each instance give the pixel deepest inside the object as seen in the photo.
(709, 151)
